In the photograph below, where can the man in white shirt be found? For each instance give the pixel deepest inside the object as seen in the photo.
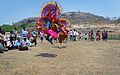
(15, 33)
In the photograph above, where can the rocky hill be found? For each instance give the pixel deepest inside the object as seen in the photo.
(74, 18)
(79, 20)
(85, 18)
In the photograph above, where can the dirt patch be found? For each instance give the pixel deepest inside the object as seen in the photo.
(77, 58)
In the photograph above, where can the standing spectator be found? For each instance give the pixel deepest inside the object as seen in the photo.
(33, 33)
(24, 32)
(85, 36)
(34, 37)
(39, 33)
(41, 36)
(74, 35)
(98, 35)
(71, 35)
(80, 36)
(91, 35)
(29, 34)
(77, 35)
(104, 35)
(15, 33)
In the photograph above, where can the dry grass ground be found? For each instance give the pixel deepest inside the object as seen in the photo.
(78, 58)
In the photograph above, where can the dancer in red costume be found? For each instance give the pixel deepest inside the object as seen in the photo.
(51, 24)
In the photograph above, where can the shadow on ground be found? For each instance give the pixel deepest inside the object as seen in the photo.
(46, 55)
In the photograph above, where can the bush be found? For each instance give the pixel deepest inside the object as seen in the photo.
(114, 37)
(7, 28)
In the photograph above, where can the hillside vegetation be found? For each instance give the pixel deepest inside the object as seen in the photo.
(75, 18)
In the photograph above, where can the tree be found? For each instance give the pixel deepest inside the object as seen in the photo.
(7, 28)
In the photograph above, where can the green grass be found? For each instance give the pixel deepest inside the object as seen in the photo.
(114, 37)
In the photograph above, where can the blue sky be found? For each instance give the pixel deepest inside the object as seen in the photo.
(15, 10)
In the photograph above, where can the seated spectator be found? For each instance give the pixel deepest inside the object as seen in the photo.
(1, 43)
(17, 43)
(1, 48)
(10, 42)
(2, 39)
(25, 43)
(5, 40)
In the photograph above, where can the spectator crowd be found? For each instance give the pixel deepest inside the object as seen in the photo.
(26, 38)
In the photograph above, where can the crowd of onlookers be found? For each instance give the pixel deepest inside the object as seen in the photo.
(91, 35)
(17, 40)
(26, 38)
